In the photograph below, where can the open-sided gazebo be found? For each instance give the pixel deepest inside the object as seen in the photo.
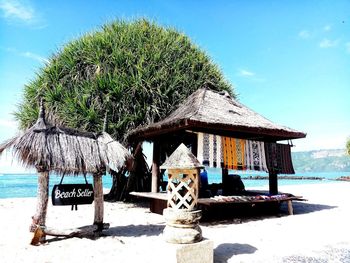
(214, 113)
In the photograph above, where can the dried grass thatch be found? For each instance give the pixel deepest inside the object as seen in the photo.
(66, 151)
(217, 113)
(115, 153)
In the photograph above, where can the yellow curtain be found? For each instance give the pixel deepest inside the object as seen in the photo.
(233, 153)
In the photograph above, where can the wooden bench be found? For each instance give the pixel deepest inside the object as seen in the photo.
(158, 201)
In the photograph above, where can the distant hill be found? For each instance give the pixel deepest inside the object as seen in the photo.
(321, 161)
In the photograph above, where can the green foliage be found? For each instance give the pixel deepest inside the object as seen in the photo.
(137, 70)
(348, 147)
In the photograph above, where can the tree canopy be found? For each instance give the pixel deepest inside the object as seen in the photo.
(348, 147)
(136, 70)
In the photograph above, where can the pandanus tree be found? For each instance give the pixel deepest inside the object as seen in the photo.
(137, 71)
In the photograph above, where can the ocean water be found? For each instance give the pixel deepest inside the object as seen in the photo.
(25, 185)
(214, 176)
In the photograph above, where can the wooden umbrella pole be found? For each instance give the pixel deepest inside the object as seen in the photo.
(98, 200)
(39, 219)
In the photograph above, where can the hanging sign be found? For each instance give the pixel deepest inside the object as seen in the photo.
(72, 194)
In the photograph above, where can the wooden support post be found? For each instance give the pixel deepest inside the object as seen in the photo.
(224, 179)
(155, 167)
(98, 201)
(273, 184)
(290, 207)
(39, 219)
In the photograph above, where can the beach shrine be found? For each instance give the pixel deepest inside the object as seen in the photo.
(221, 133)
(65, 151)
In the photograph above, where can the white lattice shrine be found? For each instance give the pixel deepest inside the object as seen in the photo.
(181, 215)
(183, 188)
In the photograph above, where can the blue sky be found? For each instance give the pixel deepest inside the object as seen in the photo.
(288, 60)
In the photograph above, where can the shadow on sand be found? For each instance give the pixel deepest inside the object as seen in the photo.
(239, 216)
(233, 218)
(300, 208)
(119, 231)
(223, 252)
(135, 230)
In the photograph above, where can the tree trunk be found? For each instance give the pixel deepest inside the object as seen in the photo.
(138, 179)
(98, 201)
(39, 219)
(118, 185)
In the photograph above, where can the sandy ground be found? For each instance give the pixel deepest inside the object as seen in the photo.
(318, 232)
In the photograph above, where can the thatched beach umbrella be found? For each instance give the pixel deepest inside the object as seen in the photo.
(115, 154)
(66, 151)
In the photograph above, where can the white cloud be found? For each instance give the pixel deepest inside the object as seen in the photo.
(315, 141)
(26, 54)
(318, 135)
(304, 34)
(7, 124)
(13, 9)
(252, 76)
(327, 43)
(327, 28)
(33, 56)
(245, 73)
(21, 12)
(347, 46)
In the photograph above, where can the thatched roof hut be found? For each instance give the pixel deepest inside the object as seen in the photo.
(217, 112)
(66, 151)
(211, 112)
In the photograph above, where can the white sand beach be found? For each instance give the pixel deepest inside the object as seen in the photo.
(318, 232)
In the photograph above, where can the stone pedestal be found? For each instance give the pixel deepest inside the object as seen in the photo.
(200, 252)
(181, 216)
(182, 226)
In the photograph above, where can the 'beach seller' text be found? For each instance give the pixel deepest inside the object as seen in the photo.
(72, 194)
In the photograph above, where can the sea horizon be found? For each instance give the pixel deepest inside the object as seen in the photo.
(21, 185)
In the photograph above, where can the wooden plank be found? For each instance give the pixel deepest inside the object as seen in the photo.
(161, 196)
(81, 231)
(210, 201)
(43, 231)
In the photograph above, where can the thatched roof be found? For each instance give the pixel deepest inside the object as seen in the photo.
(217, 113)
(115, 153)
(181, 158)
(66, 151)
